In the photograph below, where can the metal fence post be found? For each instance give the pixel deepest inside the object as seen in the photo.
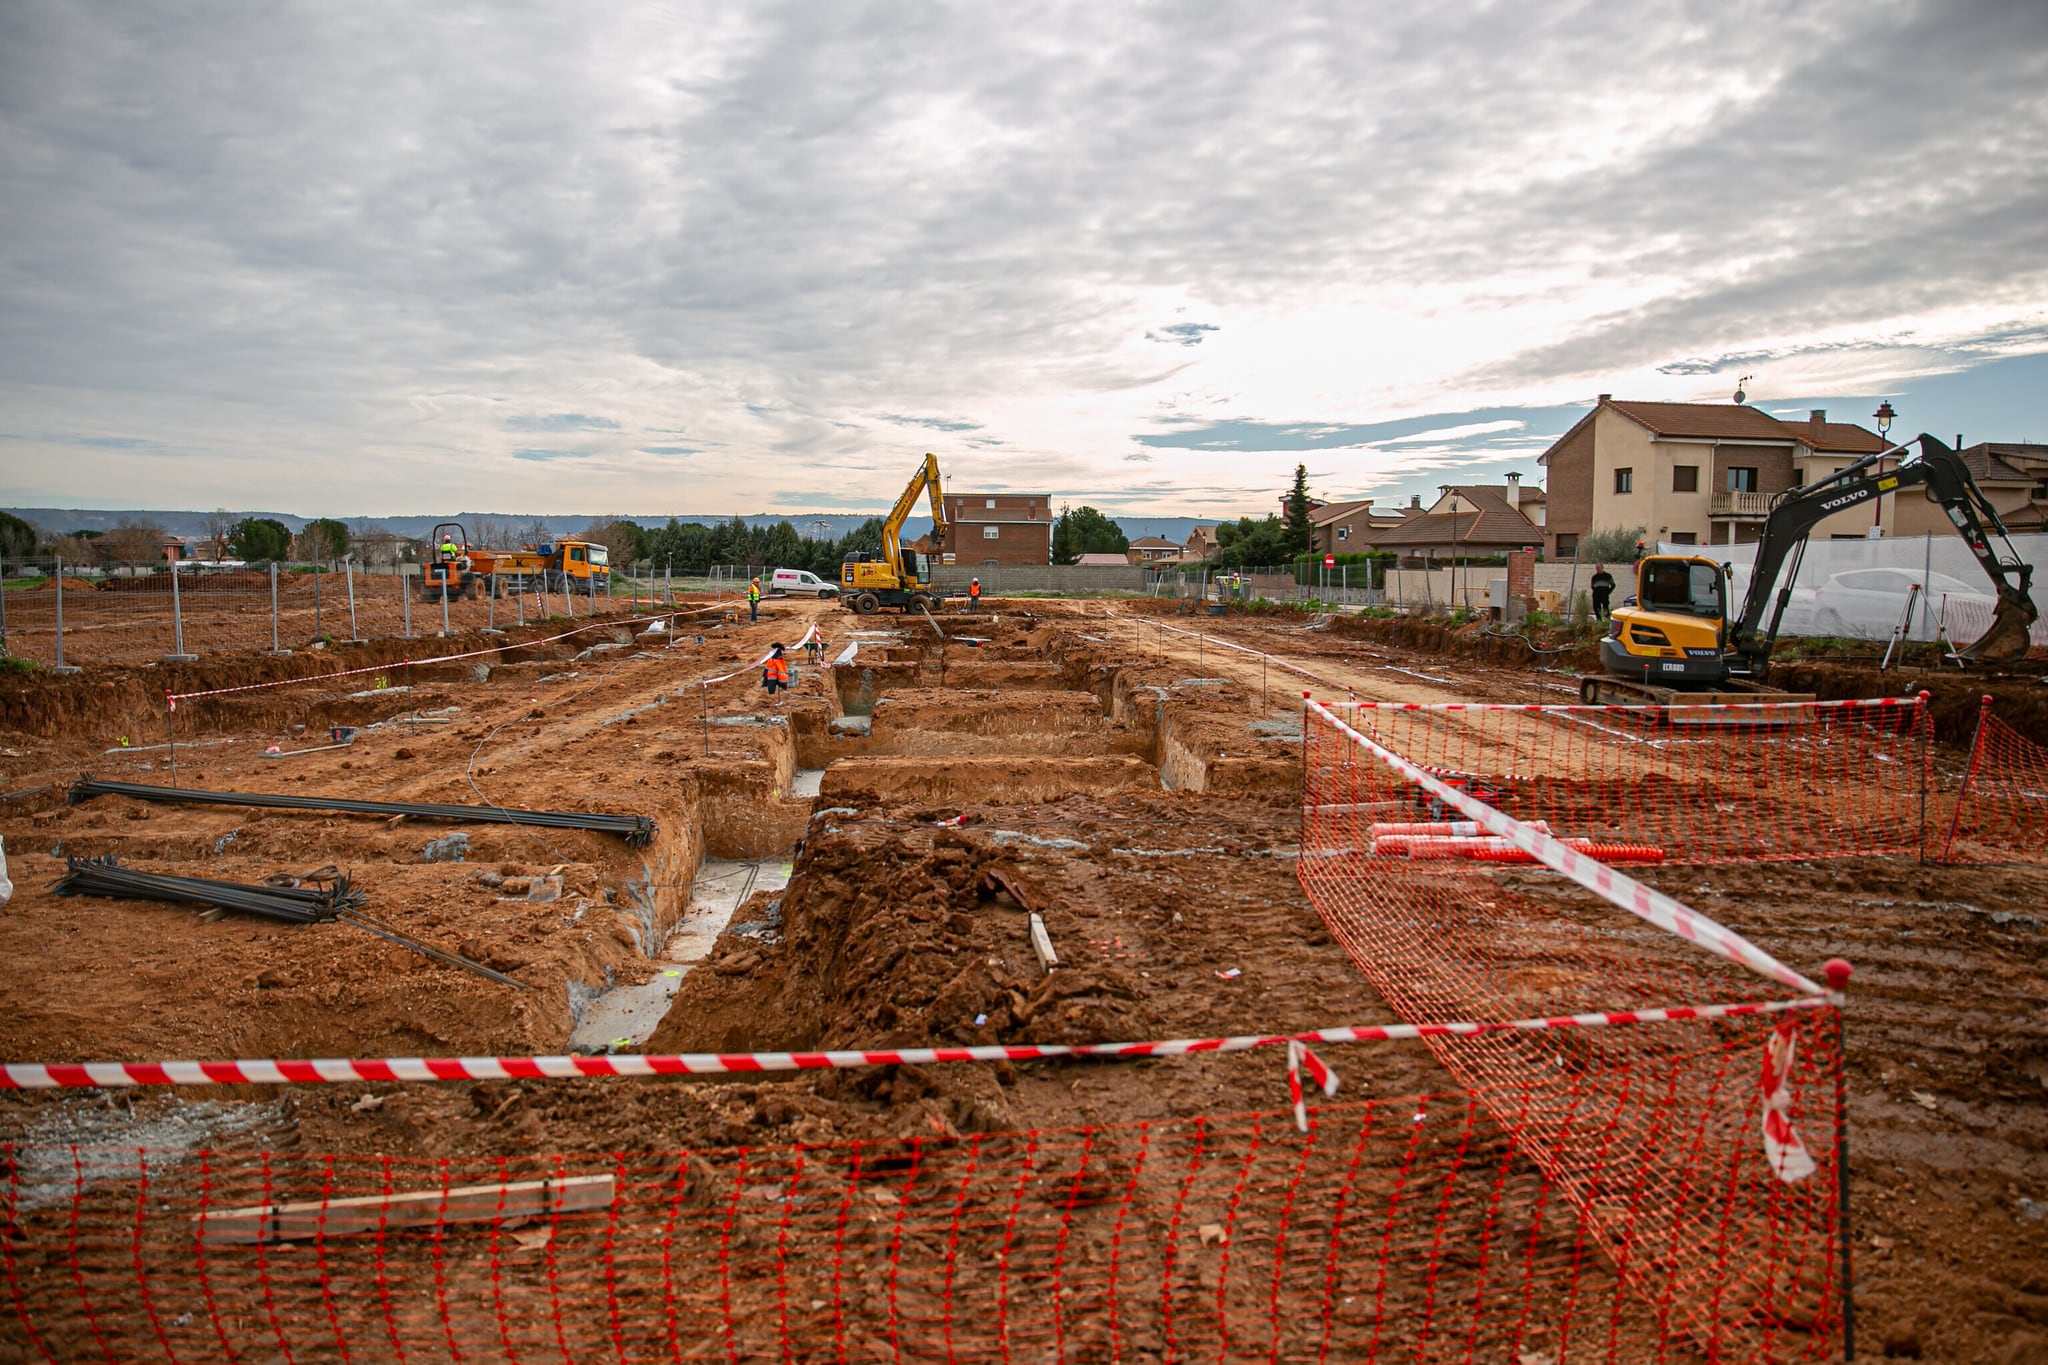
(405, 600)
(568, 597)
(348, 568)
(316, 600)
(61, 667)
(444, 601)
(274, 649)
(3, 611)
(491, 602)
(177, 654)
(519, 596)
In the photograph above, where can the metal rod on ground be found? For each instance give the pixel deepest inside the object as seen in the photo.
(348, 569)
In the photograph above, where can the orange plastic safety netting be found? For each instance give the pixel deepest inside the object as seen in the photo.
(1678, 1181)
(2000, 812)
(1412, 1229)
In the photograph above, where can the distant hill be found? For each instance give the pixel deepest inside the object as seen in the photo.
(820, 525)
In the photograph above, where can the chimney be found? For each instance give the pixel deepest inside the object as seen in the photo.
(1959, 440)
(1415, 499)
(1816, 426)
(1514, 490)
(1606, 397)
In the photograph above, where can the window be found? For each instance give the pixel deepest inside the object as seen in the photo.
(1624, 481)
(1343, 533)
(991, 502)
(1685, 537)
(1685, 478)
(1742, 479)
(2040, 490)
(1567, 545)
(1673, 585)
(991, 533)
(1798, 477)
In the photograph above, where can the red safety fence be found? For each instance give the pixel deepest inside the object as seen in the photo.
(1691, 1183)
(1410, 1229)
(2000, 813)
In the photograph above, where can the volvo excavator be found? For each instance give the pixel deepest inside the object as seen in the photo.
(868, 583)
(1678, 644)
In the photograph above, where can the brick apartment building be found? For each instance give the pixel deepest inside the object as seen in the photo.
(1000, 528)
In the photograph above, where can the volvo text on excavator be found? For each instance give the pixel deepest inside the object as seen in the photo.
(868, 583)
(1679, 643)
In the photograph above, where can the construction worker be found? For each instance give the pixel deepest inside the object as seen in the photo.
(1602, 584)
(449, 551)
(775, 672)
(754, 606)
(974, 594)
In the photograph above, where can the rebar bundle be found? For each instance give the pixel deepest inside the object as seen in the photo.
(104, 876)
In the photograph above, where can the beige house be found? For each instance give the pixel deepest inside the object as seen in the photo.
(1467, 521)
(1153, 550)
(2015, 478)
(1201, 546)
(1694, 473)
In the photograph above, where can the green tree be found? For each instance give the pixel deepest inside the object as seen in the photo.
(260, 538)
(323, 538)
(1613, 544)
(1249, 543)
(1084, 531)
(1297, 535)
(17, 537)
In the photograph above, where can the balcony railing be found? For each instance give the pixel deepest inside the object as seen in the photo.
(1741, 505)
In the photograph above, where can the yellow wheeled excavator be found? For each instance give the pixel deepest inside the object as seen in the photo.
(1679, 643)
(868, 583)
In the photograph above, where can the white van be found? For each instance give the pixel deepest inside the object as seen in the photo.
(802, 582)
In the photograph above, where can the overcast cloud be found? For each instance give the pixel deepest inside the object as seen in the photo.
(679, 257)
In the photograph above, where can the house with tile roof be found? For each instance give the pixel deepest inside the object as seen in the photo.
(2014, 476)
(1467, 521)
(1696, 473)
(1153, 550)
(1349, 526)
(1202, 546)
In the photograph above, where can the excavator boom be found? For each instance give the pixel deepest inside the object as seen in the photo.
(1794, 514)
(892, 580)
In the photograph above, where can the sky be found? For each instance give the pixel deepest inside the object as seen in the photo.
(660, 258)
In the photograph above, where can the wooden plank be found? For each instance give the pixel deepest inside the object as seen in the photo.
(1041, 943)
(415, 1208)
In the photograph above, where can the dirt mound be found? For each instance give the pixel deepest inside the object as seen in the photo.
(70, 585)
(897, 939)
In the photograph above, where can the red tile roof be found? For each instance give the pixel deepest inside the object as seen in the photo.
(1492, 523)
(1712, 421)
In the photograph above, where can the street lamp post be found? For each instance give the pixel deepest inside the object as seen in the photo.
(1884, 417)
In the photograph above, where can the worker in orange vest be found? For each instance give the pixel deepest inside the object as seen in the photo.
(974, 595)
(775, 672)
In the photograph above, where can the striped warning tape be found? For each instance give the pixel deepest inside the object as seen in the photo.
(32, 1076)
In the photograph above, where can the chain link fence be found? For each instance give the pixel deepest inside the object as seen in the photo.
(64, 616)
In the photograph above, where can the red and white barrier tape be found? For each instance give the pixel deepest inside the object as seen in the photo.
(1615, 887)
(727, 677)
(173, 698)
(31, 1076)
(1877, 703)
(1783, 1147)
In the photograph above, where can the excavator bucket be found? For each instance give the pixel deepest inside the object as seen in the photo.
(2010, 624)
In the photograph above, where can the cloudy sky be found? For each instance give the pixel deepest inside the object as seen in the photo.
(380, 259)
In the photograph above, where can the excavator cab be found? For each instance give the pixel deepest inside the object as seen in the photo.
(1673, 634)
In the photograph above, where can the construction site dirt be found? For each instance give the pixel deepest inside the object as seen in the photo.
(863, 861)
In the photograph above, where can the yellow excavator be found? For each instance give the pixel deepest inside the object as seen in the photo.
(868, 583)
(1679, 643)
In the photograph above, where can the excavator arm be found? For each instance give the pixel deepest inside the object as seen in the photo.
(1794, 514)
(926, 479)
